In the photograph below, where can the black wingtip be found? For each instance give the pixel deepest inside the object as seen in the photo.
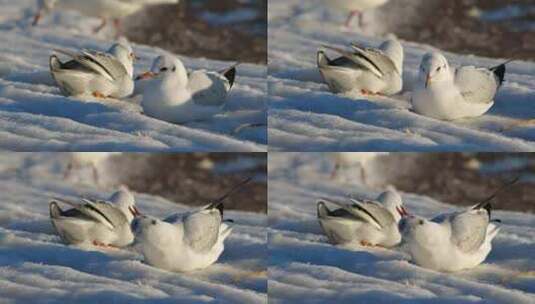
(221, 209)
(499, 72)
(230, 75)
(322, 59)
(322, 209)
(54, 62)
(55, 210)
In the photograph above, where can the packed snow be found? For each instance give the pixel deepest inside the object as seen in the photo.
(304, 267)
(305, 115)
(35, 264)
(35, 116)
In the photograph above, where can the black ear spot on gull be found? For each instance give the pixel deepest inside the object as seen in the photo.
(153, 222)
(174, 68)
(420, 222)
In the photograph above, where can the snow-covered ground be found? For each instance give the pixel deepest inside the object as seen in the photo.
(304, 115)
(35, 116)
(36, 266)
(303, 267)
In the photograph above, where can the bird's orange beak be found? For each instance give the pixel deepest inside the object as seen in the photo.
(146, 75)
(427, 80)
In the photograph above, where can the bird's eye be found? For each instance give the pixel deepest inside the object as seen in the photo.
(439, 68)
(163, 69)
(153, 222)
(420, 222)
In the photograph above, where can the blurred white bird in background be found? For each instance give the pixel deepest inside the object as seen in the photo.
(103, 9)
(354, 8)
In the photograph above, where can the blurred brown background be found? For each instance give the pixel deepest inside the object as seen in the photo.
(466, 178)
(230, 30)
(195, 179)
(492, 28)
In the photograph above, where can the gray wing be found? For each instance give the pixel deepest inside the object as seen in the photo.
(114, 215)
(375, 209)
(468, 229)
(371, 60)
(99, 63)
(367, 211)
(208, 89)
(477, 85)
(201, 229)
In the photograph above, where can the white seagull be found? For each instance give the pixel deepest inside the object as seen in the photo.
(366, 223)
(96, 73)
(449, 93)
(96, 222)
(79, 160)
(365, 70)
(452, 241)
(345, 161)
(184, 242)
(354, 7)
(175, 96)
(104, 9)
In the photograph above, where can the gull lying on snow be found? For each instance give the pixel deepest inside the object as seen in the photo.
(175, 96)
(104, 9)
(451, 241)
(96, 73)
(452, 93)
(185, 241)
(100, 223)
(367, 223)
(355, 7)
(366, 70)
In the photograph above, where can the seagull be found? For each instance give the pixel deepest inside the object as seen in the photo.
(452, 241)
(367, 70)
(355, 8)
(449, 93)
(344, 161)
(100, 223)
(95, 73)
(184, 242)
(175, 96)
(364, 222)
(103, 9)
(79, 160)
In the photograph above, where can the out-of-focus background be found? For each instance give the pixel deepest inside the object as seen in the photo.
(455, 178)
(186, 178)
(492, 28)
(230, 30)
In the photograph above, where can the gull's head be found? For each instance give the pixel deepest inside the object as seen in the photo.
(394, 50)
(123, 51)
(170, 66)
(125, 201)
(151, 230)
(425, 233)
(434, 69)
(393, 203)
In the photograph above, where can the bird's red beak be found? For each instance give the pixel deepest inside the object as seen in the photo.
(402, 211)
(135, 211)
(427, 80)
(146, 75)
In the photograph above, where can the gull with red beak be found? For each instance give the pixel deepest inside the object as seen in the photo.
(173, 94)
(96, 222)
(449, 93)
(363, 222)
